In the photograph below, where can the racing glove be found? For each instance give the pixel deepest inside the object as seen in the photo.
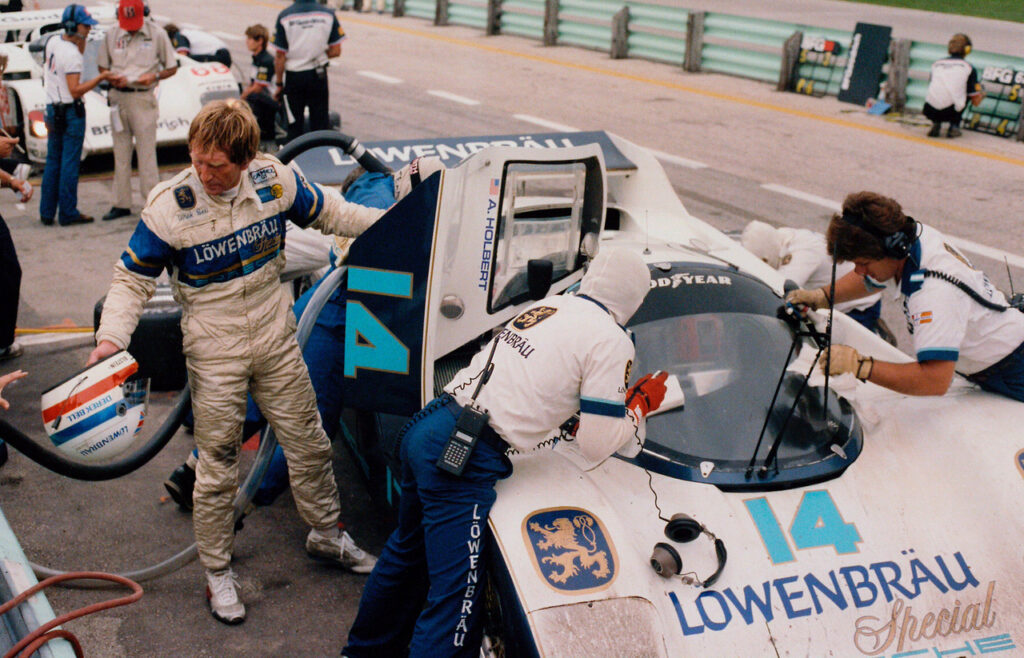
(844, 359)
(647, 394)
(814, 299)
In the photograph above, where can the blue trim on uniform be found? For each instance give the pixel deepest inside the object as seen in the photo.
(909, 284)
(938, 354)
(232, 256)
(600, 407)
(146, 254)
(76, 430)
(308, 202)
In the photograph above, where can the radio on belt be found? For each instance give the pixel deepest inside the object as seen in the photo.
(468, 427)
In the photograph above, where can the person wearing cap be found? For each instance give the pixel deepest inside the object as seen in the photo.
(802, 257)
(138, 54)
(306, 36)
(65, 117)
(959, 322)
(951, 83)
(416, 601)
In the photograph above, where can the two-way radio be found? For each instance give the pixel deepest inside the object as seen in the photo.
(471, 423)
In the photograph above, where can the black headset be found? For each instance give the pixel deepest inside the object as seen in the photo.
(70, 25)
(895, 245)
(665, 559)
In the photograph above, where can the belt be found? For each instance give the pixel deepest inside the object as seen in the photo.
(488, 436)
(131, 89)
(1007, 361)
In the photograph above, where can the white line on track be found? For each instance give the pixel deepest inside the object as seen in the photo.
(676, 160)
(544, 123)
(379, 77)
(453, 97)
(967, 245)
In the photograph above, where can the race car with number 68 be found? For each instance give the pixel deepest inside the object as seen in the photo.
(23, 98)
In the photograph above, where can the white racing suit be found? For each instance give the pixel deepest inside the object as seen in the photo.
(225, 259)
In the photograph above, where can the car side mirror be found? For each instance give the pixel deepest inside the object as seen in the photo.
(539, 273)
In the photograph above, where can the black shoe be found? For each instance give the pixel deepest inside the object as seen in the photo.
(47, 221)
(116, 213)
(180, 485)
(80, 219)
(954, 131)
(934, 132)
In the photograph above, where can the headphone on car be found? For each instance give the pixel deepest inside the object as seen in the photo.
(665, 559)
(69, 23)
(895, 245)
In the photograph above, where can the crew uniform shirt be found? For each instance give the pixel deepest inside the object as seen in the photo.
(562, 355)
(195, 42)
(62, 58)
(810, 266)
(946, 324)
(133, 54)
(304, 31)
(263, 72)
(951, 80)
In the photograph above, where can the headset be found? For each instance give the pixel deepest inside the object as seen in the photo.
(69, 24)
(895, 245)
(665, 559)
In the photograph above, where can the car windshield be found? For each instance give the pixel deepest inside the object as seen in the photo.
(718, 333)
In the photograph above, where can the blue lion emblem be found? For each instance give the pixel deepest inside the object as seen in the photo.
(571, 549)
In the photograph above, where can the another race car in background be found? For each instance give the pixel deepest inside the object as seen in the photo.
(826, 519)
(23, 98)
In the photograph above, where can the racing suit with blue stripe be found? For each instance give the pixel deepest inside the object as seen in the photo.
(225, 259)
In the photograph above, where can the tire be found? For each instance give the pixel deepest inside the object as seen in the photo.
(156, 343)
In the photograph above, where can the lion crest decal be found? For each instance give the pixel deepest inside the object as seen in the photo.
(571, 549)
(533, 317)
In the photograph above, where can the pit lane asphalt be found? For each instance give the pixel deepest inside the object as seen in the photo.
(747, 134)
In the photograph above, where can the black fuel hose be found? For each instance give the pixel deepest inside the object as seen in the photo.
(318, 138)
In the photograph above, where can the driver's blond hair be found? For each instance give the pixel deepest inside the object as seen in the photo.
(226, 125)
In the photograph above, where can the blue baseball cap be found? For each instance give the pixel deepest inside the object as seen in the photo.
(78, 15)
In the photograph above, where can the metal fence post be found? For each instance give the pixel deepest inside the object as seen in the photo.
(694, 41)
(895, 92)
(441, 12)
(790, 55)
(550, 22)
(620, 34)
(399, 9)
(493, 17)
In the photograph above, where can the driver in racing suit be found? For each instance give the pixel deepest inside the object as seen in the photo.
(218, 227)
(563, 355)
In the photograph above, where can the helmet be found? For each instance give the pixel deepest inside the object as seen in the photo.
(95, 414)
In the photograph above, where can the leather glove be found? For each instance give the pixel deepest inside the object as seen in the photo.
(647, 394)
(814, 299)
(844, 359)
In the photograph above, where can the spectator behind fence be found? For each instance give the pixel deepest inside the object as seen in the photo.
(952, 81)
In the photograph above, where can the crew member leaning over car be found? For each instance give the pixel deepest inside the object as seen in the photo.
(958, 320)
(219, 228)
(562, 355)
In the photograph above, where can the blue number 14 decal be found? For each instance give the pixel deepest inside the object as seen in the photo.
(817, 522)
(368, 343)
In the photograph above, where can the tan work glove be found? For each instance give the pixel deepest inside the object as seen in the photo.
(814, 299)
(845, 359)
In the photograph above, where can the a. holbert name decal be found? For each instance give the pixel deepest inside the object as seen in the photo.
(571, 549)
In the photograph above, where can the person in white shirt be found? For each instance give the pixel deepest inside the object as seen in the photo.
(952, 81)
(198, 45)
(65, 117)
(958, 320)
(802, 257)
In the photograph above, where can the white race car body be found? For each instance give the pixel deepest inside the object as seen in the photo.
(23, 98)
(880, 524)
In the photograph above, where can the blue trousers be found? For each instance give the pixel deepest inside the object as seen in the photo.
(425, 594)
(1005, 377)
(60, 177)
(867, 316)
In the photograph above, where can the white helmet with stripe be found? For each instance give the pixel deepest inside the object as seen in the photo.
(95, 414)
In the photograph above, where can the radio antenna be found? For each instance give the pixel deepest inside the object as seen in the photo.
(1009, 276)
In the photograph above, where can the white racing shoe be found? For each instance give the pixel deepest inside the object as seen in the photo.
(222, 592)
(341, 549)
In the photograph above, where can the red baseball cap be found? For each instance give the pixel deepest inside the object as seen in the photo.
(130, 14)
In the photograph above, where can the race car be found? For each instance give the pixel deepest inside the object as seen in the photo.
(769, 513)
(23, 98)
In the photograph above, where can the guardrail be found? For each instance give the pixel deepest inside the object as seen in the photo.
(800, 58)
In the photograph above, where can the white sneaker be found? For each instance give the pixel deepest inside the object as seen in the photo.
(222, 591)
(341, 549)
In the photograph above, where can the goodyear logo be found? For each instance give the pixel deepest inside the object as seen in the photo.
(571, 549)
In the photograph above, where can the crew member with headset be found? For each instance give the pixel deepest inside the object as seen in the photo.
(537, 372)
(958, 320)
(951, 82)
(140, 55)
(65, 117)
(307, 34)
